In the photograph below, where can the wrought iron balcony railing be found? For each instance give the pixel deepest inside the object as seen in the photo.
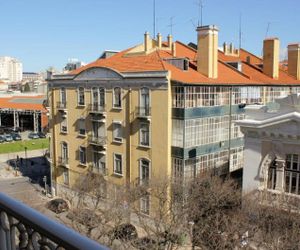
(96, 108)
(97, 140)
(36, 231)
(61, 105)
(143, 112)
(99, 169)
(63, 161)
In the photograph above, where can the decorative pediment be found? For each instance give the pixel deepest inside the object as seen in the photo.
(98, 74)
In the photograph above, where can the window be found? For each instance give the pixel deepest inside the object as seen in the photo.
(144, 134)
(118, 164)
(82, 155)
(144, 171)
(117, 132)
(63, 95)
(117, 98)
(102, 97)
(144, 102)
(81, 96)
(81, 126)
(99, 163)
(64, 150)
(64, 125)
(145, 204)
(66, 176)
(292, 174)
(272, 175)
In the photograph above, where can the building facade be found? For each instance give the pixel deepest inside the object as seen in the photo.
(272, 147)
(160, 109)
(10, 69)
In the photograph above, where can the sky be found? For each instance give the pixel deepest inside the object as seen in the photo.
(44, 33)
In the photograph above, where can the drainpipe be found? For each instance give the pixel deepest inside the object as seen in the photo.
(230, 124)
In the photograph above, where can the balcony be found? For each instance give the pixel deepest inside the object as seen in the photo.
(36, 231)
(95, 108)
(98, 140)
(99, 169)
(63, 161)
(98, 118)
(62, 106)
(143, 112)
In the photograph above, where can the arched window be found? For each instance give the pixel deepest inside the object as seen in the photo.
(102, 97)
(117, 100)
(63, 95)
(95, 96)
(272, 175)
(64, 150)
(81, 96)
(144, 171)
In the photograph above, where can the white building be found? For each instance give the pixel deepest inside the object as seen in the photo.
(10, 69)
(272, 147)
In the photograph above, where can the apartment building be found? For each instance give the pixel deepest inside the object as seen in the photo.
(161, 109)
(10, 69)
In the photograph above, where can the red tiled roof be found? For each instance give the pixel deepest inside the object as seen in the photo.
(155, 61)
(15, 102)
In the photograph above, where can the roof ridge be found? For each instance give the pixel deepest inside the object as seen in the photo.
(251, 54)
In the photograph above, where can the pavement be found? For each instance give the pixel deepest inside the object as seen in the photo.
(24, 184)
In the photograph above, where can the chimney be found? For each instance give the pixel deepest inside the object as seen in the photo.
(146, 41)
(271, 57)
(170, 41)
(207, 53)
(294, 60)
(173, 49)
(159, 40)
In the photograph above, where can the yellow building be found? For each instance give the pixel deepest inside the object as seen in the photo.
(160, 109)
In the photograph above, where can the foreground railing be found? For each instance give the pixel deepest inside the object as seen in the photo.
(22, 227)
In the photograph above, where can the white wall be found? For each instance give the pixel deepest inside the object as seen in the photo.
(252, 160)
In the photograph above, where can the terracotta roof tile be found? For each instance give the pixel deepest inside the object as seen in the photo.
(155, 61)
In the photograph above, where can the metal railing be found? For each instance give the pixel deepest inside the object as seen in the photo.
(99, 170)
(97, 140)
(143, 112)
(61, 105)
(96, 108)
(36, 231)
(63, 161)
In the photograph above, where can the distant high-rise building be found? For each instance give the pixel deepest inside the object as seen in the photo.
(73, 64)
(10, 69)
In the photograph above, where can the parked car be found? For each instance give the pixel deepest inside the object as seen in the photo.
(41, 135)
(8, 137)
(16, 136)
(33, 135)
(2, 139)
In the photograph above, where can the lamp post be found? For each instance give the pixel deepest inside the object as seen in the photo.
(25, 148)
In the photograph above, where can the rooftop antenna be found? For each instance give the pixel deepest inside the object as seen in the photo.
(171, 25)
(240, 32)
(268, 28)
(154, 17)
(200, 8)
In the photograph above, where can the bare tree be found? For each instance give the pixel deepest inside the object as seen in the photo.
(207, 212)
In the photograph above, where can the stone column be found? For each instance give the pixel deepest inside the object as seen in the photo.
(280, 164)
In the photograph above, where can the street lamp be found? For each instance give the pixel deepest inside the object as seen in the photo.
(25, 148)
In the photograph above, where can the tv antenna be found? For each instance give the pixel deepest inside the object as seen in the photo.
(268, 28)
(171, 25)
(240, 32)
(200, 11)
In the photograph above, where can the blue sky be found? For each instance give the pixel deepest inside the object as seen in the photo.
(46, 33)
